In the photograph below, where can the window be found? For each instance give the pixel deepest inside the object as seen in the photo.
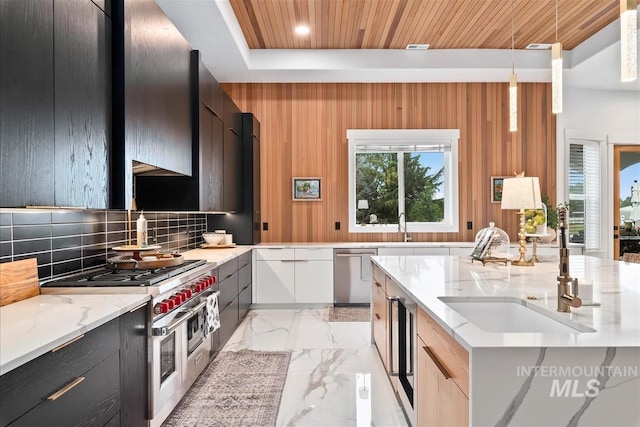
(584, 194)
(407, 171)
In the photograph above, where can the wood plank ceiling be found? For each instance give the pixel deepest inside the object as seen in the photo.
(444, 24)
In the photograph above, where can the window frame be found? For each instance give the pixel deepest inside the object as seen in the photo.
(597, 237)
(403, 137)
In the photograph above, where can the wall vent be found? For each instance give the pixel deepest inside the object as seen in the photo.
(417, 47)
(538, 46)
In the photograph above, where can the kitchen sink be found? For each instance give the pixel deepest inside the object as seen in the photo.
(511, 314)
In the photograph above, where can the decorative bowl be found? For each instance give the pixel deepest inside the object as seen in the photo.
(213, 238)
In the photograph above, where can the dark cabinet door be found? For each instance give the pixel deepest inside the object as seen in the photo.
(211, 160)
(232, 193)
(26, 103)
(134, 336)
(156, 89)
(82, 44)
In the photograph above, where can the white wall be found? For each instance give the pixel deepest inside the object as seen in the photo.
(609, 116)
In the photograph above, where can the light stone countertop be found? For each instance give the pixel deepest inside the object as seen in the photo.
(219, 256)
(32, 327)
(365, 245)
(616, 285)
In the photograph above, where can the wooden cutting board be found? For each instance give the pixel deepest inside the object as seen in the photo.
(18, 281)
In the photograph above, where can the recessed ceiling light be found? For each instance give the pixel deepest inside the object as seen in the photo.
(538, 46)
(303, 30)
(417, 46)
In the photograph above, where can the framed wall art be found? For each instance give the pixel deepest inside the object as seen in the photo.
(309, 189)
(496, 188)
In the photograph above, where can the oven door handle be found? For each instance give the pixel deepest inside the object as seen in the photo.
(390, 301)
(159, 331)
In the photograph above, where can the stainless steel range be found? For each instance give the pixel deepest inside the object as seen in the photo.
(179, 348)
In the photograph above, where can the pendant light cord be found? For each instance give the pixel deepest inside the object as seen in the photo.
(556, 21)
(513, 39)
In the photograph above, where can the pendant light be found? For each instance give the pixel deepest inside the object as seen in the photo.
(513, 82)
(556, 72)
(628, 40)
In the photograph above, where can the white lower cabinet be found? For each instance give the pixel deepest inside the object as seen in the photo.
(300, 275)
(314, 281)
(276, 281)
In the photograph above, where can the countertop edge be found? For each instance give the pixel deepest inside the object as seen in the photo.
(46, 346)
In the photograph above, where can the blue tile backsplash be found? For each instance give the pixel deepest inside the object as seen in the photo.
(69, 241)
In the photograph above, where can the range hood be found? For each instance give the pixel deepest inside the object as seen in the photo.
(144, 169)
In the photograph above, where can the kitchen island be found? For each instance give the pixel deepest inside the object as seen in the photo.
(588, 374)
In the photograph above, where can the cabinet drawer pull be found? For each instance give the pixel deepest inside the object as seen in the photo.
(71, 341)
(377, 316)
(435, 359)
(58, 394)
(378, 284)
(208, 107)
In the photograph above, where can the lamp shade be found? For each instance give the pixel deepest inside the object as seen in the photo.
(363, 204)
(521, 193)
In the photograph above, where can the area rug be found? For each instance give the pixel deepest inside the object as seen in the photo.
(240, 388)
(348, 314)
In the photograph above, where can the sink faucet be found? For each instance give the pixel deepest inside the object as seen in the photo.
(401, 228)
(566, 284)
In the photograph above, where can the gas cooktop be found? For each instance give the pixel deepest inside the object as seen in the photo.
(104, 276)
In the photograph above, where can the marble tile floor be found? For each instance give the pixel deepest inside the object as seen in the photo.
(335, 377)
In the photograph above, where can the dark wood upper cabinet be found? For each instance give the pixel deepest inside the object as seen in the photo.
(55, 106)
(26, 103)
(82, 43)
(156, 89)
(232, 191)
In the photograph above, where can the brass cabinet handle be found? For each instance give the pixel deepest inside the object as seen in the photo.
(378, 284)
(71, 341)
(435, 359)
(65, 389)
(377, 316)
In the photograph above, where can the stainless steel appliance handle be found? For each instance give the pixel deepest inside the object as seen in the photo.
(201, 305)
(159, 331)
(390, 301)
(353, 255)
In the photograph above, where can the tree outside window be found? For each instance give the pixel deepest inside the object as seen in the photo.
(410, 171)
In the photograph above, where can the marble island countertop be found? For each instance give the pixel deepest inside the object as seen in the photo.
(32, 327)
(616, 285)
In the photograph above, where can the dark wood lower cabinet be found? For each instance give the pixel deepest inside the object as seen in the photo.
(234, 299)
(244, 302)
(96, 379)
(134, 343)
(92, 402)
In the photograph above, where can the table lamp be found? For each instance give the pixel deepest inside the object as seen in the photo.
(363, 205)
(521, 193)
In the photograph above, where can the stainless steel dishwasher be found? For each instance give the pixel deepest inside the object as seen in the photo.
(352, 276)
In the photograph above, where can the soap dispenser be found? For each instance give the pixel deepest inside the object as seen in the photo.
(141, 231)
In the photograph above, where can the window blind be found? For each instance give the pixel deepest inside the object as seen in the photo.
(584, 194)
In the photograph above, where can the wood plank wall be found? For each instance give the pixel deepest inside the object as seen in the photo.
(303, 134)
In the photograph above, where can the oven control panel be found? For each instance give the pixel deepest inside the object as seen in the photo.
(182, 295)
